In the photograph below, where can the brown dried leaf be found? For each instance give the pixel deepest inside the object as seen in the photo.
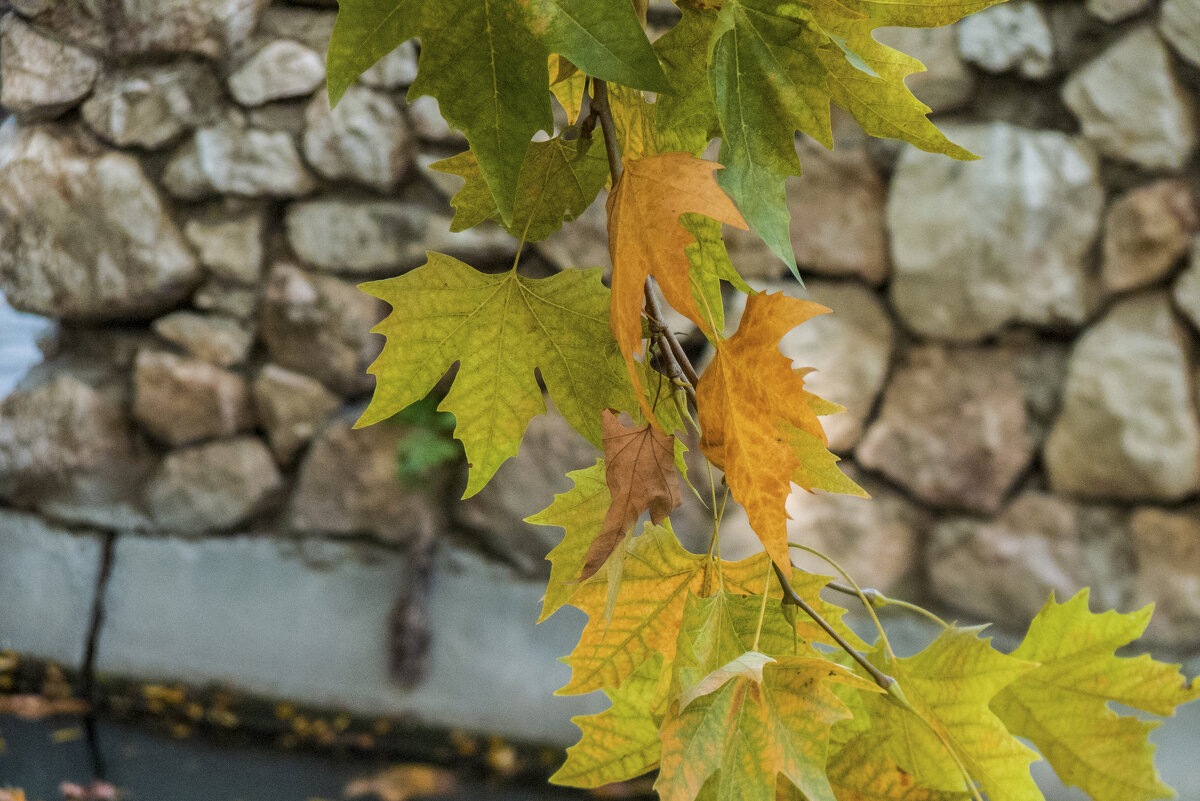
(640, 472)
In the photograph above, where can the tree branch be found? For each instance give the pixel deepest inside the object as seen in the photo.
(790, 597)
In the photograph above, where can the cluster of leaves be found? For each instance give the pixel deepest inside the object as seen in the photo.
(733, 679)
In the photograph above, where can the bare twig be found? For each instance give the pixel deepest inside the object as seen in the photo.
(790, 597)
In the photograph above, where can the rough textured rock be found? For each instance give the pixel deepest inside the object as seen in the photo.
(39, 74)
(1127, 427)
(947, 83)
(236, 160)
(1131, 106)
(213, 486)
(319, 326)
(225, 298)
(128, 27)
(1186, 292)
(524, 486)
(83, 234)
(291, 407)
(1012, 36)
(348, 486)
(582, 242)
(311, 27)
(365, 139)
(1003, 570)
(1179, 24)
(837, 210)
(1166, 550)
(1116, 10)
(55, 429)
(995, 241)
(228, 239)
(1145, 233)
(181, 400)
(281, 69)
(953, 428)
(151, 106)
(212, 338)
(850, 349)
(428, 123)
(395, 70)
(382, 237)
(875, 540)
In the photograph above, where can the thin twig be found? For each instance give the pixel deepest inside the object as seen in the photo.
(603, 111)
(790, 597)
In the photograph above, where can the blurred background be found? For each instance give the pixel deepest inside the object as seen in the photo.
(264, 603)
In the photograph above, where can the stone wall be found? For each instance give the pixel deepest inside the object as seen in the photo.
(1014, 339)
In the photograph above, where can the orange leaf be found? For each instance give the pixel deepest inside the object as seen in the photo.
(641, 475)
(646, 238)
(743, 396)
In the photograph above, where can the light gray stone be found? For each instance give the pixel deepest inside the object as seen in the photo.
(1012, 36)
(1166, 549)
(953, 428)
(348, 486)
(1186, 292)
(383, 237)
(311, 27)
(1003, 570)
(55, 429)
(292, 407)
(837, 213)
(947, 83)
(243, 612)
(125, 28)
(582, 242)
(83, 234)
(524, 486)
(1145, 233)
(225, 298)
(395, 70)
(1130, 105)
(996, 241)
(47, 583)
(364, 139)
(1179, 24)
(235, 160)
(281, 69)
(1116, 10)
(39, 74)
(428, 123)
(212, 487)
(1127, 428)
(150, 106)
(212, 338)
(320, 326)
(876, 540)
(180, 400)
(850, 351)
(228, 238)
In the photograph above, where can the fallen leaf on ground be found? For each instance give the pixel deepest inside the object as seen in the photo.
(402, 782)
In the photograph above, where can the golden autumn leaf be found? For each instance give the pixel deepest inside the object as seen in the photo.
(744, 396)
(646, 238)
(402, 782)
(641, 476)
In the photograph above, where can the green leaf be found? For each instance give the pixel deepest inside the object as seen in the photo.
(622, 741)
(688, 106)
(559, 179)
(749, 732)
(767, 83)
(366, 31)
(603, 38)
(499, 328)
(1062, 706)
(949, 686)
(818, 467)
(488, 72)
(580, 512)
(710, 265)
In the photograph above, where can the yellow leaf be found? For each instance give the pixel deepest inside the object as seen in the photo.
(1062, 705)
